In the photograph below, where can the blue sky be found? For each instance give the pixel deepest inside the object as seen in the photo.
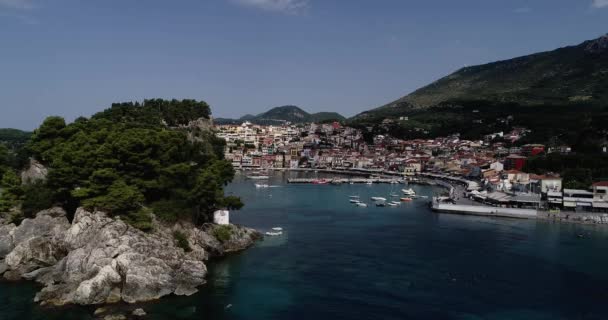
(73, 57)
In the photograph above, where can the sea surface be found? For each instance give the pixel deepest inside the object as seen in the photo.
(338, 261)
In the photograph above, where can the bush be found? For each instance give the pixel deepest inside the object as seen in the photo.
(37, 197)
(223, 233)
(182, 241)
(171, 211)
(141, 219)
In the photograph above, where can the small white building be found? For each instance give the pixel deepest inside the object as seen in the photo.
(221, 217)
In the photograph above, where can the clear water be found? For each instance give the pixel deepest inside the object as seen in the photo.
(337, 261)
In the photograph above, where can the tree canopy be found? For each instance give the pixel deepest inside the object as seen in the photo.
(133, 156)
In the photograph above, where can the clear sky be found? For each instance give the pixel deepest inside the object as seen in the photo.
(76, 57)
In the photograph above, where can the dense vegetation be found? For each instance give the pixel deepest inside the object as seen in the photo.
(131, 161)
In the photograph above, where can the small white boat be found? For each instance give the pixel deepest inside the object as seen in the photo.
(394, 195)
(354, 197)
(391, 204)
(277, 229)
(378, 199)
(396, 203)
(408, 192)
(257, 185)
(258, 177)
(369, 183)
(354, 201)
(274, 234)
(394, 182)
(361, 204)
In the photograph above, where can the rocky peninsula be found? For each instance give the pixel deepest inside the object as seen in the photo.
(97, 259)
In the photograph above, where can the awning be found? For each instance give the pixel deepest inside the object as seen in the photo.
(569, 204)
(583, 204)
(600, 204)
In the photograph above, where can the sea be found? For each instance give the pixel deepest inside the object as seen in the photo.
(339, 261)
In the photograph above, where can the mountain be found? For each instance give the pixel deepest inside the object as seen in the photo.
(569, 75)
(283, 114)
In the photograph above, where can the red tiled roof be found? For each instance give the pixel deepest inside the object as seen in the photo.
(601, 184)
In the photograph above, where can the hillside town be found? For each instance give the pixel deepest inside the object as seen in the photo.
(491, 173)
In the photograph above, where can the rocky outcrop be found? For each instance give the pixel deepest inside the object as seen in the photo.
(36, 171)
(98, 259)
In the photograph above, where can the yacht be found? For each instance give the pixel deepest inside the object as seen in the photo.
(378, 199)
(408, 192)
(272, 234)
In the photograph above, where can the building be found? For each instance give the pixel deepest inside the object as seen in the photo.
(530, 150)
(221, 217)
(514, 162)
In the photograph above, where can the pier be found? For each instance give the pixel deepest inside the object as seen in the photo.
(344, 180)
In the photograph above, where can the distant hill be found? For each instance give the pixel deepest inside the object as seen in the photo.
(562, 95)
(570, 75)
(14, 138)
(283, 114)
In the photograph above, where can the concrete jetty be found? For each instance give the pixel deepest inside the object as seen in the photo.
(484, 210)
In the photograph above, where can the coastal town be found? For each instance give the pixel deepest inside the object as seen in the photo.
(478, 174)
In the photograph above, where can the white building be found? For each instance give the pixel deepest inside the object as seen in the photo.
(221, 217)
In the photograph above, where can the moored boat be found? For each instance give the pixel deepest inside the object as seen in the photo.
(406, 199)
(378, 199)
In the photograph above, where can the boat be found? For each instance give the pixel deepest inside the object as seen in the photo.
(378, 199)
(354, 201)
(354, 197)
(394, 182)
(394, 195)
(273, 234)
(408, 192)
(277, 229)
(257, 185)
(369, 183)
(258, 177)
(396, 203)
(406, 199)
(320, 181)
(381, 204)
(391, 204)
(361, 204)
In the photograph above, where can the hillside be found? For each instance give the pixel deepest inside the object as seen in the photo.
(560, 95)
(567, 75)
(283, 114)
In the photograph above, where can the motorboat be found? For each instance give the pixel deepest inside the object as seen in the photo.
(258, 185)
(361, 204)
(408, 199)
(381, 204)
(277, 229)
(320, 181)
(354, 197)
(378, 199)
(392, 204)
(274, 234)
(354, 201)
(395, 203)
(258, 177)
(408, 192)
(369, 183)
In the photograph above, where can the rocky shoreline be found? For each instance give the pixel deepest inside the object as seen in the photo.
(99, 260)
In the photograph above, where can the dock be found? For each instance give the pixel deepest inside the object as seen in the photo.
(344, 180)
(486, 211)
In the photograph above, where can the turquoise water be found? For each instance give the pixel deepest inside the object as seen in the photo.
(337, 261)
